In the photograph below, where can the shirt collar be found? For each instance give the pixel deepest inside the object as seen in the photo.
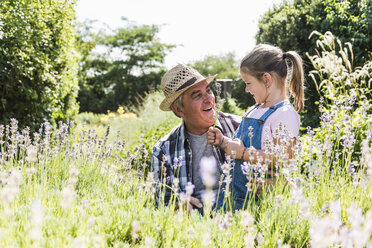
(218, 125)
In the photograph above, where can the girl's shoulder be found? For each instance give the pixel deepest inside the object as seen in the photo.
(287, 116)
(286, 113)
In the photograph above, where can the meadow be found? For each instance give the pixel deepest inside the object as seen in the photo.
(87, 183)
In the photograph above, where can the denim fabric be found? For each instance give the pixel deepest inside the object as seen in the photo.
(239, 180)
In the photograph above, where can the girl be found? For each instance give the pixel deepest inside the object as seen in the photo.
(265, 72)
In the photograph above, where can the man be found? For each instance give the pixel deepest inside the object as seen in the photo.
(176, 157)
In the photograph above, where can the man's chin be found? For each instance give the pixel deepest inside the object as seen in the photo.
(210, 115)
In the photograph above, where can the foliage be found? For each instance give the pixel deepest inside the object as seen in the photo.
(68, 186)
(230, 106)
(290, 24)
(344, 106)
(38, 61)
(140, 129)
(118, 68)
(225, 67)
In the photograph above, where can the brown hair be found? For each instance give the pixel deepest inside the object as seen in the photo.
(267, 58)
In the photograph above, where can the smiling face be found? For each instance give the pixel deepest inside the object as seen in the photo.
(198, 108)
(255, 87)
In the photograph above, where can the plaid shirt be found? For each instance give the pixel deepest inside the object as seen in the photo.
(176, 145)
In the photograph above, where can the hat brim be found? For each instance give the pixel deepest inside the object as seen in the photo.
(165, 105)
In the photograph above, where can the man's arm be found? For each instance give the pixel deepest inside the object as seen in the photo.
(159, 168)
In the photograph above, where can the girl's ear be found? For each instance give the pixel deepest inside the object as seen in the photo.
(177, 110)
(267, 79)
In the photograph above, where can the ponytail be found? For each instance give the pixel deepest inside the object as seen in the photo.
(296, 80)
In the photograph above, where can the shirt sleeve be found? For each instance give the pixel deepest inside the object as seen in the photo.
(162, 192)
(288, 117)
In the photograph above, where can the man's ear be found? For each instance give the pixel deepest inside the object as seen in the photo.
(177, 110)
(267, 79)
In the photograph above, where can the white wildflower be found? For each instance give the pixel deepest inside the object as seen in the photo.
(260, 239)
(36, 218)
(97, 241)
(249, 240)
(208, 198)
(208, 171)
(15, 178)
(246, 220)
(206, 241)
(135, 229)
(190, 232)
(30, 171)
(149, 242)
(32, 154)
(68, 197)
(189, 188)
(324, 231)
(73, 175)
(36, 213)
(8, 194)
(78, 242)
(91, 222)
(84, 203)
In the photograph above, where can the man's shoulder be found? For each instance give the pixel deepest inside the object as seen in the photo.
(172, 135)
(227, 116)
(229, 123)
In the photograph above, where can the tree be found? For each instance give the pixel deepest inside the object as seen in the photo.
(130, 65)
(290, 24)
(38, 61)
(225, 66)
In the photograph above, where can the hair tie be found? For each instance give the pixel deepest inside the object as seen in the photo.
(284, 55)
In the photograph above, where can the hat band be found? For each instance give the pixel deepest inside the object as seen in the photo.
(188, 83)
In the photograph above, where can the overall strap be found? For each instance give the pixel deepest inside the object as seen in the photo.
(271, 110)
(251, 109)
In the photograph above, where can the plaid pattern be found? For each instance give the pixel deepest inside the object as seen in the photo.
(174, 146)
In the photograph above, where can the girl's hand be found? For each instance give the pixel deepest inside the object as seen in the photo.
(214, 136)
(234, 148)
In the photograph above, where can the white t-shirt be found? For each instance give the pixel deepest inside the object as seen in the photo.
(286, 114)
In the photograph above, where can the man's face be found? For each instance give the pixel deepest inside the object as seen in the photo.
(198, 108)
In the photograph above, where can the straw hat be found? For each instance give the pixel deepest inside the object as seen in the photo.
(176, 81)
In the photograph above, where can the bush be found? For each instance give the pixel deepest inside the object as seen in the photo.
(230, 106)
(38, 62)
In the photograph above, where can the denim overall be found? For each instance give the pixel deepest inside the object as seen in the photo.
(239, 179)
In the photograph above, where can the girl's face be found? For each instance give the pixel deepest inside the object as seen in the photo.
(256, 87)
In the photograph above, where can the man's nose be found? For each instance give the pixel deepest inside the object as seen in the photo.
(208, 97)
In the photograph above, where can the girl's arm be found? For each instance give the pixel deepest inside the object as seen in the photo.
(236, 149)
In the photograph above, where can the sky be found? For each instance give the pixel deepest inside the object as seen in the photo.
(198, 27)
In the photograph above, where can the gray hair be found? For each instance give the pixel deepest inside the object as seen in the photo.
(178, 102)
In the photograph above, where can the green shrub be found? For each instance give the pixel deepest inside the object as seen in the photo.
(38, 61)
(230, 106)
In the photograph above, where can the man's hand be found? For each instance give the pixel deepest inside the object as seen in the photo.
(193, 203)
